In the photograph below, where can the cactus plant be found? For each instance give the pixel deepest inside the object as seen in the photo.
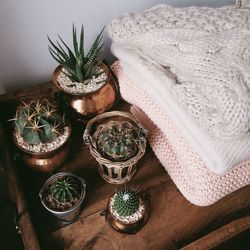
(80, 66)
(126, 202)
(118, 140)
(38, 121)
(64, 189)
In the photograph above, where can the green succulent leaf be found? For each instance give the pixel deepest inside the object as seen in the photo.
(31, 136)
(80, 67)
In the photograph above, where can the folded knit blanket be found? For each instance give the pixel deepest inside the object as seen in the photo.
(201, 81)
(196, 182)
(200, 186)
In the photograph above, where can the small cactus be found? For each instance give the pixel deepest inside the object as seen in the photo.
(38, 121)
(64, 189)
(126, 202)
(118, 140)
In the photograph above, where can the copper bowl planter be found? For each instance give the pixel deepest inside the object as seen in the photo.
(129, 227)
(46, 161)
(96, 102)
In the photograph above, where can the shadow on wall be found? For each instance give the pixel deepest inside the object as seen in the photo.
(24, 26)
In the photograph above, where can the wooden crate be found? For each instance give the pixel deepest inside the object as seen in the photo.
(174, 223)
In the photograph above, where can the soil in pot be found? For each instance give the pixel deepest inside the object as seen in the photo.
(63, 193)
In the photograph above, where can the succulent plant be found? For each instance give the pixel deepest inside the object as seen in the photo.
(126, 202)
(64, 189)
(38, 121)
(118, 140)
(79, 66)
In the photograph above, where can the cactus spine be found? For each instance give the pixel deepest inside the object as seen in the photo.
(126, 202)
(64, 189)
(38, 121)
(118, 140)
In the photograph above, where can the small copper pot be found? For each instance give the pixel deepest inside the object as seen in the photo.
(128, 228)
(91, 104)
(46, 162)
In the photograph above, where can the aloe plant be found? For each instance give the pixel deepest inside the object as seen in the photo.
(79, 65)
(38, 121)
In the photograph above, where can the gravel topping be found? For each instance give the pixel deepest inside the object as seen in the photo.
(88, 86)
(42, 147)
(127, 219)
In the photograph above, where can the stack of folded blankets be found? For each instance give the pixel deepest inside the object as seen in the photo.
(186, 72)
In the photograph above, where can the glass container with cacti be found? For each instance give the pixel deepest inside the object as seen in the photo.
(38, 121)
(118, 140)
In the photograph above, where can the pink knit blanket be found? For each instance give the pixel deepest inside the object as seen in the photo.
(199, 185)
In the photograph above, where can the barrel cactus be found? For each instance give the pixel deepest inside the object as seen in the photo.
(126, 202)
(38, 121)
(118, 141)
(64, 189)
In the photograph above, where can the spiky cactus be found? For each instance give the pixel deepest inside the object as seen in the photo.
(118, 140)
(64, 189)
(38, 121)
(126, 202)
(80, 66)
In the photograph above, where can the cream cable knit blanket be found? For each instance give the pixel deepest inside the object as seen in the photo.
(219, 156)
(211, 73)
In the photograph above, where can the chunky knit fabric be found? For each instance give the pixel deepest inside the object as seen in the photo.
(167, 17)
(193, 178)
(211, 69)
(200, 186)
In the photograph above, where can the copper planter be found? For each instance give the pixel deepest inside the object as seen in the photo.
(128, 228)
(90, 104)
(45, 162)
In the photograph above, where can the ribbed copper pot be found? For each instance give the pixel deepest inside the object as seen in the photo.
(45, 162)
(91, 104)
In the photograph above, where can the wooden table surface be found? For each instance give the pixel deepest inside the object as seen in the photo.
(174, 222)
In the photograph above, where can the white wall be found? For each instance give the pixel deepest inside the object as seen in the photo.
(24, 25)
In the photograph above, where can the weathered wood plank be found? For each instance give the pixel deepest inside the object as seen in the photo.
(26, 227)
(223, 234)
(174, 222)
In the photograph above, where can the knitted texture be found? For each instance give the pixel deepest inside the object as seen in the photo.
(212, 75)
(211, 70)
(167, 17)
(199, 185)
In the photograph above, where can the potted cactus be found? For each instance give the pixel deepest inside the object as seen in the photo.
(126, 211)
(87, 83)
(117, 141)
(42, 134)
(62, 195)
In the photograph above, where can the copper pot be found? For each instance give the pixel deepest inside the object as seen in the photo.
(46, 162)
(91, 104)
(129, 228)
